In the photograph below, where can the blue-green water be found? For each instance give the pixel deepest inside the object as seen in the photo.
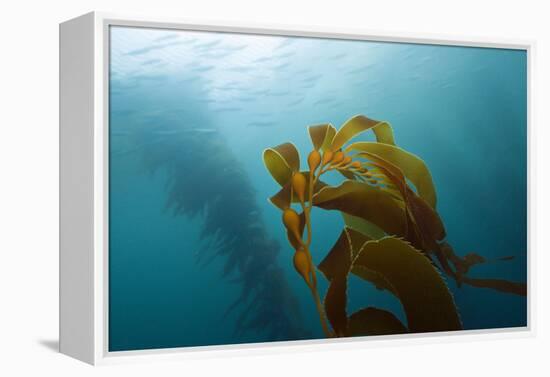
(191, 113)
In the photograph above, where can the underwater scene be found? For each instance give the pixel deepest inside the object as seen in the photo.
(269, 188)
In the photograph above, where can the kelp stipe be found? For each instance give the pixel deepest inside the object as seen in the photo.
(393, 236)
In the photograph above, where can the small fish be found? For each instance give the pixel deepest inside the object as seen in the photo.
(167, 132)
(298, 101)
(279, 94)
(145, 50)
(302, 71)
(311, 78)
(215, 55)
(225, 88)
(204, 130)
(261, 124)
(323, 101)
(246, 99)
(166, 37)
(286, 42)
(235, 48)
(227, 109)
(207, 44)
(206, 100)
(285, 55)
(151, 62)
(190, 79)
(203, 69)
(308, 85)
(263, 59)
(156, 77)
(260, 92)
(241, 69)
(359, 69)
(338, 56)
(280, 66)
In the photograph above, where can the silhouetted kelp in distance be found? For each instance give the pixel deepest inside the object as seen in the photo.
(205, 180)
(393, 236)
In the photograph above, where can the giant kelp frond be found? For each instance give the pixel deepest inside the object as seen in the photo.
(393, 238)
(204, 180)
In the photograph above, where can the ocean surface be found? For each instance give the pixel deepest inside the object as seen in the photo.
(198, 256)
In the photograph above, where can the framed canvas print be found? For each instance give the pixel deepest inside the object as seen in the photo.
(231, 187)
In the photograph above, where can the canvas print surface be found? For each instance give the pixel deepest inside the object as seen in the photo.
(271, 188)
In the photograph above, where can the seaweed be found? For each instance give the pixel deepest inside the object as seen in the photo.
(393, 236)
(204, 180)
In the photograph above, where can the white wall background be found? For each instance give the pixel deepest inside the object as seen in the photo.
(29, 184)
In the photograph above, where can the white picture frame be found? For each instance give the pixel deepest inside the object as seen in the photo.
(84, 57)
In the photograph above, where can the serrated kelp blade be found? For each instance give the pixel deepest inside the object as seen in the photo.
(338, 259)
(426, 299)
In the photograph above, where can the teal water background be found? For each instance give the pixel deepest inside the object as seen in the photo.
(181, 95)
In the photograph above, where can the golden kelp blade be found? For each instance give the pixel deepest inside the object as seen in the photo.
(374, 321)
(335, 267)
(427, 220)
(338, 259)
(356, 241)
(374, 278)
(283, 198)
(428, 303)
(321, 136)
(505, 286)
(337, 262)
(335, 304)
(463, 265)
(364, 201)
(424, 224)
(281, 161)
(358, 124)
(413, 167)
(367, 228)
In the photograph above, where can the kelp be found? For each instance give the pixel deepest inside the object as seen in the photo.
(393, 236)
(366, 202)
(374, 321)
(412, 167)
(204, 180)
